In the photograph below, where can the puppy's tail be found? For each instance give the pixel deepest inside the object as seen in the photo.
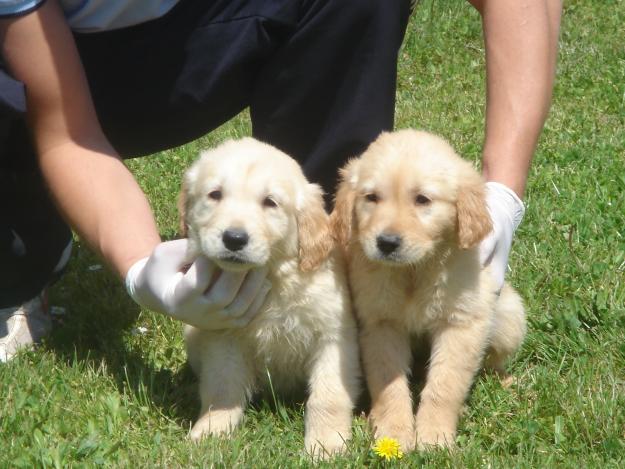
(509, 328)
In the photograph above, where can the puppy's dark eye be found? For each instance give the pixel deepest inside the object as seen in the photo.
(372, 197)
(269, 202)
(215, 195)
(422, 200)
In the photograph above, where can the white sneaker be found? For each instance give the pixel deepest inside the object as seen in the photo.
(22, 326)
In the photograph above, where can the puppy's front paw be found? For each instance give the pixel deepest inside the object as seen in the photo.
(325, 443)
(436, 426)
(434, 437)
(403, 433)
(215, 423)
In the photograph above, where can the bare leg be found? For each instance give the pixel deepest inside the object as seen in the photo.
(386, 358)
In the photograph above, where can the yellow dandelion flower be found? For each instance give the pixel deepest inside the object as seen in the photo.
(388, 448)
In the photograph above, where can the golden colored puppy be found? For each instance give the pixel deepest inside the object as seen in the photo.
(411, 214)
(304, 334)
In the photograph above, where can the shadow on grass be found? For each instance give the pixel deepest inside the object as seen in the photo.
(98, 330)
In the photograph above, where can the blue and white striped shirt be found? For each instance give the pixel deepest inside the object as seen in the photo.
(96, 15)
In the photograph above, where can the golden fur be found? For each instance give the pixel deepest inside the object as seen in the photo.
(411, 213)
(304, 334)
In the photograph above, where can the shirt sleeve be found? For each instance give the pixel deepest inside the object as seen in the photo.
(9, 8)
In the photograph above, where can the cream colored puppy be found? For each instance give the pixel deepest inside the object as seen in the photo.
(248, 205)
(411, 214)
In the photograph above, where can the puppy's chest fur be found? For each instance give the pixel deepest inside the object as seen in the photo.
(420, 298)
(301, 310)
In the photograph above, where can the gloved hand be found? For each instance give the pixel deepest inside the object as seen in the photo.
(158, 283)
(506, 211)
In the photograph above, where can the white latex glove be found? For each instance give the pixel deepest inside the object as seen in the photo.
(158, 283)
(506, 211)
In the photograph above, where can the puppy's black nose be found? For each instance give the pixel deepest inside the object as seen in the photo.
(387, 243)
(235, 239)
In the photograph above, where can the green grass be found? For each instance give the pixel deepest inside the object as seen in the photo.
(99, 392)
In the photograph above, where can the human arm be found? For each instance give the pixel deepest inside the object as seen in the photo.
(92, 188)
(521, 41)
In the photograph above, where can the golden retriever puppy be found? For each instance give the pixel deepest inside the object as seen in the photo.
(304, 334)
(411, 214)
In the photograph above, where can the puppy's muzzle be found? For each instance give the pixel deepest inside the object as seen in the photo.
(388, 243)
(235, 239)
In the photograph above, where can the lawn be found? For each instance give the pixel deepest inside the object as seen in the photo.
(110, 386)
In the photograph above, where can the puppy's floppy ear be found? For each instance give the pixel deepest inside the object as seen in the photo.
(315, 241)
(182, 211)
(341, 218)
(184, 199)
(474, 221)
